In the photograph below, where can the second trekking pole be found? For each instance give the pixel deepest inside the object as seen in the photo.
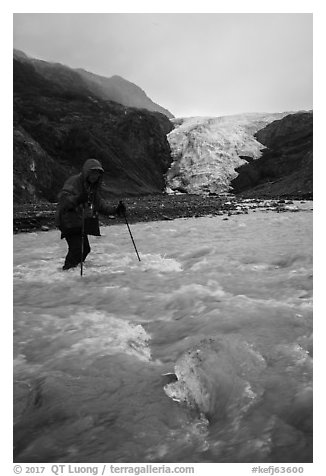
(132, 239)
(82, 242)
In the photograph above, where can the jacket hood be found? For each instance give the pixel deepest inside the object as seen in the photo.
(91, 164)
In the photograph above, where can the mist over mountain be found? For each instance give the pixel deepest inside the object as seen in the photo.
(115, 88)
(122, 91)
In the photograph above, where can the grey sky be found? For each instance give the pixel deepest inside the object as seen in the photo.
(206, 64)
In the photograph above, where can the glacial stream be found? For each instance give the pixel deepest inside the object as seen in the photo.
(224, 304)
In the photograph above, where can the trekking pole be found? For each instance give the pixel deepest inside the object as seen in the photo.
(82, 243)
(133, 242)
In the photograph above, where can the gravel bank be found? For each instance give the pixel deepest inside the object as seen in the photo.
(40, 216)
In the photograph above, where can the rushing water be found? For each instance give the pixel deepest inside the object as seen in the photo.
(226, 304)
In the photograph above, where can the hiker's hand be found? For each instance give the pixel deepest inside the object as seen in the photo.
(67, 207)
(121, 209)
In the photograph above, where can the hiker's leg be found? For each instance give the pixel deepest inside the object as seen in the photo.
(74, 251)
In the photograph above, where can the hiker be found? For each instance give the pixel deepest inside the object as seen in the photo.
(80, 198)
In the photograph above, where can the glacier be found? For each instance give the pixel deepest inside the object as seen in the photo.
(207, 150)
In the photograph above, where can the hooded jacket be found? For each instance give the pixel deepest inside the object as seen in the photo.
(78, 195)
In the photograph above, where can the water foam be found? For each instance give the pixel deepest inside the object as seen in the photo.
(160, 263)
(45, 271)
(104, 334)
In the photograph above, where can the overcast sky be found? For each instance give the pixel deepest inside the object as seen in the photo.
(205, 64)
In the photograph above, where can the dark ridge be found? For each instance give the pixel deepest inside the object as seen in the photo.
(286, 166)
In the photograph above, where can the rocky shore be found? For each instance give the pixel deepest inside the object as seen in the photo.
(41, 216)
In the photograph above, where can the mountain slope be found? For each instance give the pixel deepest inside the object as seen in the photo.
(58, 126)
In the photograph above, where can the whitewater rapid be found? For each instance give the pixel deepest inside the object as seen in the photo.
(226, 305)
